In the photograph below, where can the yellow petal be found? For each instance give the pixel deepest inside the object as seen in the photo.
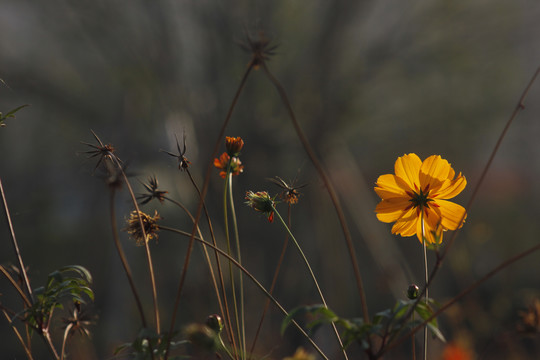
(450, 188)
(434, 171)
(406, 224)
(390, 186)
(407, 167)
(451, 214)
(432, 219)
(392, 209)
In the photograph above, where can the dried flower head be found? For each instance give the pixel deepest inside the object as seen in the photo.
(152, 191)
(150, 226)
(234, 145)
(183, 162)
(105, 153)
(260, 48)
(290, 193)
(78, 321)
(225, 161)
(262, 202)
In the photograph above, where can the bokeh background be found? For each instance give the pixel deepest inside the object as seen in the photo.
(369, 81)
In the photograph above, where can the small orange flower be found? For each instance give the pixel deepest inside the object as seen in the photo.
(223, 161)
(234, 145)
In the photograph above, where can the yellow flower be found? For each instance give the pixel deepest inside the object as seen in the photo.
(419, 191)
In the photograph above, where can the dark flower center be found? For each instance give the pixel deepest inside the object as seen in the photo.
(420, 199)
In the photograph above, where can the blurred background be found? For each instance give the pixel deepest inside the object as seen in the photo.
(369, 81)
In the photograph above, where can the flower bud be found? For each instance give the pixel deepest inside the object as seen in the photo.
(234, 145)
(412, 291)
(215, 322)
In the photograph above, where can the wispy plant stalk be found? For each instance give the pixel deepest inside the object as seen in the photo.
(209, 171)
(257, 283)
(329, 187)
(312, 276)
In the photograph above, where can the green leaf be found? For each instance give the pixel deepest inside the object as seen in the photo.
(323, 314)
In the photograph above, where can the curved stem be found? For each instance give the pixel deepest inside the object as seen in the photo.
(258, 284)
(274, 280)
(312, 276)
(329, 187)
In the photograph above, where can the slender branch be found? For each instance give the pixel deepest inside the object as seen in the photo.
(19, 336)
(15, 285)
(16, 244)
(146, 246)
(123, 259)
(329, 187)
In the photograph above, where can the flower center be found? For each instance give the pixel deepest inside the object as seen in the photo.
(420, 199)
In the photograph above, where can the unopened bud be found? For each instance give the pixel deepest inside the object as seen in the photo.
(215, 322)
(412, 291)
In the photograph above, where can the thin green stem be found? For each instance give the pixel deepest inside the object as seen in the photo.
(426, 278)
(228, 178)
(257, 283)
(312, 276)
(225, 307)
(240, 278)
